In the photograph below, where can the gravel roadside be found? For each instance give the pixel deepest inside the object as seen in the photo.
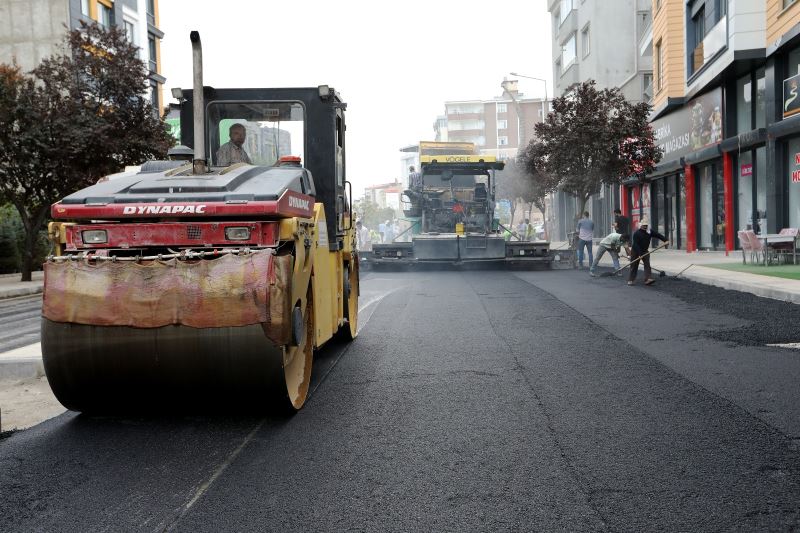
(25, 403)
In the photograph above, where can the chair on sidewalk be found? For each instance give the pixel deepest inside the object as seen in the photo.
(760, 251)
(747, 248)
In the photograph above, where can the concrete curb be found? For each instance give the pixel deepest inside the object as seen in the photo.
(22, 363)
(21, 369)
(20, 291)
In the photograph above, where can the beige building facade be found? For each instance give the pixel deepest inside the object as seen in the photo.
(31, 30)
(726, 114)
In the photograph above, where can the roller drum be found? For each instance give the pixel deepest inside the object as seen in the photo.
(118, 368)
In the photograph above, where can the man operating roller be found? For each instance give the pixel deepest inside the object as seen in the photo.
(232, 152)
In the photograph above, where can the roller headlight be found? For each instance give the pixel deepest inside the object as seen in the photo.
(237, 233)
(94, 236)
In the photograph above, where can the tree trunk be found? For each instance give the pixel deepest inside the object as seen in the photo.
(32, 225)
(543, 210)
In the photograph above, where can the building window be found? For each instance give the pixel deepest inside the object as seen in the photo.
(105, 17)
(568, 52)
(130, 31)
(85, 7)
(566, 9)
(151, 41)
(658, 5)
(502, 124)
(154, 95)
(502, 108)
(707, 31)
(744, 104)
(761, 89)
(659, 66)
(151, 12)
(585, 40)
(793, 167)
(502, 141)
(787, 3)
(647, 86)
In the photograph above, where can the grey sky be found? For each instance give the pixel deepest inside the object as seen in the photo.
(394, 63)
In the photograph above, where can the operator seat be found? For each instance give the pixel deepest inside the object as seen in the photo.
(479, 198)
(480, 193)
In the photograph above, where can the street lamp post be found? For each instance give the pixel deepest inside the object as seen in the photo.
(520, 121)
(544, 107)
(537, 79)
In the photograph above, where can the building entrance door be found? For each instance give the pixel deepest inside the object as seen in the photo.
(670, 210)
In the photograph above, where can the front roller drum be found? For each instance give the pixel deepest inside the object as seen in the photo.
(125, 336)
(122, 369)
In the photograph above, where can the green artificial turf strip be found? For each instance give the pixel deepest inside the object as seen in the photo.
(777, 271)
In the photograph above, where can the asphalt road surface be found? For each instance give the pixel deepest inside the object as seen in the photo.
(20, 320)
(487, 401)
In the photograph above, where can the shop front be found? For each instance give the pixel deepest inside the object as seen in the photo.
(785, 133)
(687, 192)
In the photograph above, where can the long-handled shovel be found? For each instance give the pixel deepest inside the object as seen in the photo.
(661, 273)
(614, 273)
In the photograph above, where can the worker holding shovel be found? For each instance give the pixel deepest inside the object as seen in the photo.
(641, 243)
(611, 243)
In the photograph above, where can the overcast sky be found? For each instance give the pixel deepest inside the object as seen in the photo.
(394, 63)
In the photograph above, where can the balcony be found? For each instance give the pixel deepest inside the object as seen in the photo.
(715, 41)
(569, 77)
(646, 41)
(570, 24)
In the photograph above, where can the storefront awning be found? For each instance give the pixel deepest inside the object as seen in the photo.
(745, 141)
(711, 152)
(787, 126)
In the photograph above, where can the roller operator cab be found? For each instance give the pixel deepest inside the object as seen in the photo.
(205, 281)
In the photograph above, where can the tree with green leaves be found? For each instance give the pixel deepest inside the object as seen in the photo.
(593, 138)
(542, 183)
(371, 214)
(75, 118)
(514, 185)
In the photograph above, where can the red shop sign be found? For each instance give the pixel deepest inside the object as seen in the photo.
(747, 170)
(795, 176)
(797, 159)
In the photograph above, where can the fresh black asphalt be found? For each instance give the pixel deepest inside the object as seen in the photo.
(471, 401)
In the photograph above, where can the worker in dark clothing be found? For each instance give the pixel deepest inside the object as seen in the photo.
(621, 223)
(640, 246)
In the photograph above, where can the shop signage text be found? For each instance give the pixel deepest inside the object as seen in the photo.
(693, 127)
(791, 98)
(746, 170)
(796, 172)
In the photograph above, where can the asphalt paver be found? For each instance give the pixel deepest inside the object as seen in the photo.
(470, 401)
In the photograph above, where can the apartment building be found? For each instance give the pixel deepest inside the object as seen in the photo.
(610, 42)
(31, 30)
(725, 91)
(498, 127)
